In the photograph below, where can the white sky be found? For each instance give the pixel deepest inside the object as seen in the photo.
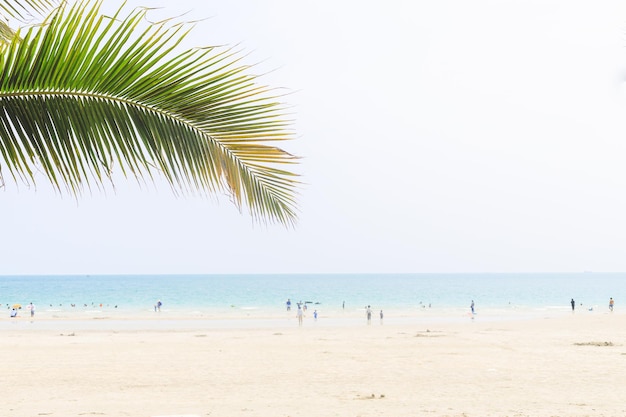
(436, 136)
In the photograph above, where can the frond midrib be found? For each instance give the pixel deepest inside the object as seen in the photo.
(77, 94)
(251, 169)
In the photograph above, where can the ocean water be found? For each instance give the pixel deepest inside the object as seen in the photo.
(331, 294)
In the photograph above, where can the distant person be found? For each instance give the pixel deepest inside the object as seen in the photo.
(381, 317)
(315, 315)
(573, 303)
(368, 311)
(300, 315)
(472, 307)
(157, 306)
(343, 305)
(31, 307)
(611, 304)
(288, 303)
(14, 312)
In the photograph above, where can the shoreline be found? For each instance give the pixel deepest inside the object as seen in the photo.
(176, 320)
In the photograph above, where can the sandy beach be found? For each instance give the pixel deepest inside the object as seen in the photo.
(558, 365)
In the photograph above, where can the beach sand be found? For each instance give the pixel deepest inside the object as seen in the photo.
(562, 365)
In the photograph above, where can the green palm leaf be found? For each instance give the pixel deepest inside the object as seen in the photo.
(83, 93)
(19, 9)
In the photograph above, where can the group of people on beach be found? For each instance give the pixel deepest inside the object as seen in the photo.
(31, 308)
(368, 314)
(611, 305)
(368, 310)
(302, 307)
(16, 307)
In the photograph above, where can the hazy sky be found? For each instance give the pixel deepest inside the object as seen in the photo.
(436, 136)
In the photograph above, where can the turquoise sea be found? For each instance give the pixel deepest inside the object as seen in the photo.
(331, 294)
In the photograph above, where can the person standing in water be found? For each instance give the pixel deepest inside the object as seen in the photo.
(573, 303)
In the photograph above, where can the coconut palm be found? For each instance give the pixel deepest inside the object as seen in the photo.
(82, 95)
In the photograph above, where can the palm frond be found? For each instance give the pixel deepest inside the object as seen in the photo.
(6, 33)
(84, 92)
(20, 9)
